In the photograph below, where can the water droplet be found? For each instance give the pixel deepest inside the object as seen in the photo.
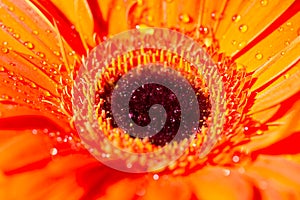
(34, 131)
(280, 29)
(213, 15)
(258, 56)
(227, 172)
(286, 76)
(236, 18)
(129, 165)
(264, 2)
(282, 53)
(57, 53)
(259, 132)
(243, 28)
(29, 45)
(2, 69)
(185, 18)
(40, 54)
(155, 177)
(53, 151)
(22, 18)
(47, 94)
(16, 35)
(203, 30)
(141, 26)
(287, 43)
(11, 8)
(233, 42)
(235, 159)
(289, 23)
(33, 85)
(5, 50)
(35, 32)
(242, 44)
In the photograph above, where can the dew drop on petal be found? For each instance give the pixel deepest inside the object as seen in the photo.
(264, 3)
(203, 30)
(235, 159)
(213, 15)
(280, 29)
(5, 50)
(242, 44)
(243, 28)
(286, 43)
(29, 45)
(258, 56)
(16, 35)
(129, 165)
(40, 54)
(185, 18)
(2, 69)
(227, 172)
(11, 8)
(155, 177)
(34, 131)
(286, 76)
(53, 151)
(236, 18)
(35, 32)
(57, 53)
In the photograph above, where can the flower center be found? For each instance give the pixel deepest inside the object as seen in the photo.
(144, 100)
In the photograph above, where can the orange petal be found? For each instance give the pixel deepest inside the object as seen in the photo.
(22, 149)
(218, 183)
(167, 187)
(282, 128)
(277, 93)
(241, 23)
(56, 180)
(266, 52)
(79, 14)
(276, 177)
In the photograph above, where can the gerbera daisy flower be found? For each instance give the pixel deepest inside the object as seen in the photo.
(255, 49)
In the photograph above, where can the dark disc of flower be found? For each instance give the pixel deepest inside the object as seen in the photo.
(159, 105)
(146, 97)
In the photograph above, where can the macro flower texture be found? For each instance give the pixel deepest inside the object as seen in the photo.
(254, 46)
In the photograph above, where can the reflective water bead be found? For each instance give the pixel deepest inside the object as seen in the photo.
(243, 28)
(258, 56)
(29, 45)
(185, 18)
(155, 177)
(40, 54)
(53, 151)
(5, 50)
(236, 18)
(264, 2)
(235, 159)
